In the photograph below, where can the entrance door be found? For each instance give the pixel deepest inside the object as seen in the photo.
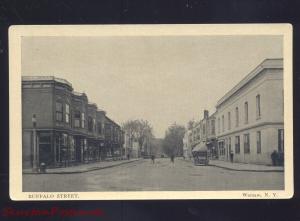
(45, 152)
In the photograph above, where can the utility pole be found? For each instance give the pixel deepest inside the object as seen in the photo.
(35, 149)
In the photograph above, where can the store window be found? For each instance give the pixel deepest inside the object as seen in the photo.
(59, 111)
(221, 148)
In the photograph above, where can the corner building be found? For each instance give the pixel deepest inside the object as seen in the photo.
(70, 129)
(249, 118)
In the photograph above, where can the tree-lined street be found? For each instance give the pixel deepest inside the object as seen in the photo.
(142, 175)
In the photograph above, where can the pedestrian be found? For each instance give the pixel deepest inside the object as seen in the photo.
(231, 156)
(274, 157)
(128, 156)
(153, 159)
(172, 160)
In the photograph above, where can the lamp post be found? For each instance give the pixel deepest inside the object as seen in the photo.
(35, 151)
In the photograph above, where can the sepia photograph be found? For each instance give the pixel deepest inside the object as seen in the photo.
(151, 112)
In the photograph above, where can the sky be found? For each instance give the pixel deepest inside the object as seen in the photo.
(160, 79)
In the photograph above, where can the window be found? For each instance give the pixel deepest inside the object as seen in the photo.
(59, 111)
(229, 145)
(94, 125)
(82, 120)
(223, 127)
(229, 121)
(236, 116)
(212, 127)
(258, 142)
(258, 113)
(237, 145)
(203, 130)
(280, 141)
(221, 148)
(99, 126)
(219, 126)
(67, 113)
(90, 124)
(246, 144)
(77, 119)
(246, 112)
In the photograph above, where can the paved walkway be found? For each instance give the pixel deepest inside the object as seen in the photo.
(83, 167)
(245, 166)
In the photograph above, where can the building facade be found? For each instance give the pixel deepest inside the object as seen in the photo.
(69, 129)
(250, 116)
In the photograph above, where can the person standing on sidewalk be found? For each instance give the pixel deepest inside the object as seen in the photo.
(231, 156)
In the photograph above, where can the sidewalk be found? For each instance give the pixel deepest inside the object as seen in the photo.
(245, 167)
(83, 167)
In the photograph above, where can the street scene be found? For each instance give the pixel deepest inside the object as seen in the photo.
(181, 113)
(143, 175)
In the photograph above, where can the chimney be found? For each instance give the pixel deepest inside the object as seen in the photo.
(206, 114)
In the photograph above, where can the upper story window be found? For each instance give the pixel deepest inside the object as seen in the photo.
(67, 115)
(94, 125)
(90, 124)
(223, 122)
(203, 129)
(59, 111)
(77, 119)
(258, 112)
(99, 126)
(246, 112)
(229, 121)
(212, 127)
(219, 126)
(237, 117)
(82, 120)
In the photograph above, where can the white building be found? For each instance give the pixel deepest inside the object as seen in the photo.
(249, 118)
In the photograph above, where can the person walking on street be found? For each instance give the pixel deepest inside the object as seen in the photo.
(153, 159)
(172, 160)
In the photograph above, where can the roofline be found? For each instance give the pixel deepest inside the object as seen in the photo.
(46, 78)
(265, 64)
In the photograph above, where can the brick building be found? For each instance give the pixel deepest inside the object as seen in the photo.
(69, 128)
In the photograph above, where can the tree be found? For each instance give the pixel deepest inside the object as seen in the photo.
(191, 124)
(139, 130)
(173, 141)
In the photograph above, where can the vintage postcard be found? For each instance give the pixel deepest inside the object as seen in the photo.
(106, 112)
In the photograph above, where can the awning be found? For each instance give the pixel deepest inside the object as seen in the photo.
(200, 147)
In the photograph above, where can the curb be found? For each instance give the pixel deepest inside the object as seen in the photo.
(246, 170)
(83, 171)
